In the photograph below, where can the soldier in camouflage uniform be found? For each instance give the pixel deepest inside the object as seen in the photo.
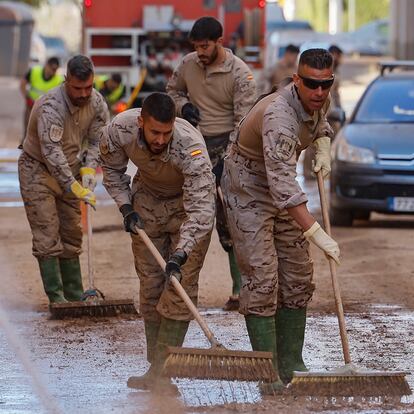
(173, 199)
(60, 148)
(268, 218)
(213, 89)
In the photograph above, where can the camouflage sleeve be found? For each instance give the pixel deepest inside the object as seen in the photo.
(280, 139)
(114, 162)
(199, 191)
(177, 87)
(94, 132)
(324, 128)
(50, 130)
(244, 93)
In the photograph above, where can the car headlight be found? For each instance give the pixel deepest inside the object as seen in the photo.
(349, 153)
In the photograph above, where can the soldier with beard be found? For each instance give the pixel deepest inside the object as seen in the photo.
(213, 90)
(57, 170)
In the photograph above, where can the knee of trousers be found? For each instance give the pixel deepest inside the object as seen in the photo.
(296, 285)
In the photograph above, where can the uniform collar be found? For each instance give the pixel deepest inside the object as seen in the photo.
(225, 67)
(142, 144)
(72, 108)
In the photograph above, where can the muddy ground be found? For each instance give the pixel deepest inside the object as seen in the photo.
(84, 363)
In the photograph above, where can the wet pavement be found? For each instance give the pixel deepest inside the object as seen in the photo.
(85, 363)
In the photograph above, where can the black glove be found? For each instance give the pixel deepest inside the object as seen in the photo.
(176, 260)
(131, 218)
(191, 114)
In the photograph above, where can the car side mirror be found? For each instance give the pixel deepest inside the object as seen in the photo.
(337, 115)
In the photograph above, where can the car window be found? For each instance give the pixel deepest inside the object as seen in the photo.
(387, 101)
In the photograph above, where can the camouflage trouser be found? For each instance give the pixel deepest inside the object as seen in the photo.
(162, 222)
(216, 147)
(54, 215)
(271, 251)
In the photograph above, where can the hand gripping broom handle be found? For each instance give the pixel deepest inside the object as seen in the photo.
(90, 261)
(180, 290)
(332, 267)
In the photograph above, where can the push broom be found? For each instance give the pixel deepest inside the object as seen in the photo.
(216, 362)
(93, 301)
(349, 380)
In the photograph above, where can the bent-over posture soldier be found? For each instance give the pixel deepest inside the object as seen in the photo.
(268, 218)
(60, 148)
(213, 89)
(173, 199)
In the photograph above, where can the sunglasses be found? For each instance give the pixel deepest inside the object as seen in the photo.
(316, 83)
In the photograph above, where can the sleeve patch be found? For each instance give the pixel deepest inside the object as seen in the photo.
(196, 152)
(285, 148)
(250, 77)
(56, 133)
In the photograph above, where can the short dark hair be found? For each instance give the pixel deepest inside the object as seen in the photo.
(81, 67)
(53, 61)
(159, 106)
(316, 59)
(206, 28)
(116, 77)
(292, 49)
(335, 49)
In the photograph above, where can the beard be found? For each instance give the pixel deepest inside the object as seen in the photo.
(80, 101)
(208, 60)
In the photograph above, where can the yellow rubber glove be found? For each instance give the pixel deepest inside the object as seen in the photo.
(83, 194)
(322, 156)
(88, 177)
(317, 236)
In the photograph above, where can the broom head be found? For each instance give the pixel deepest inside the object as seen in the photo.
(218, 363)
(350, 381)
(96, 307)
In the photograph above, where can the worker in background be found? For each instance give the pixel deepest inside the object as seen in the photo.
(111, 88)
(37, 81)
(213, 90)
(172, 198)
(270, 224)
(337, 54)
(55, 175)
(281, 72)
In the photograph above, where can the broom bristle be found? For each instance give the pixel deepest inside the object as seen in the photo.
(364, 384)
(100, 308)
(219, 364)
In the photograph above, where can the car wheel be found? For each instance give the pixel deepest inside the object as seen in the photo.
(343, 218)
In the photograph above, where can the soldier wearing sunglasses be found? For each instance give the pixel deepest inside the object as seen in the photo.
(269, 222)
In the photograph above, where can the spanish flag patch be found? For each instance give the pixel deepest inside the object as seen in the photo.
(250, 77)
(196, 152)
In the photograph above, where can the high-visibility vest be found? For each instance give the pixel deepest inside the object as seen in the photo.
(112, 97)
(39, 86)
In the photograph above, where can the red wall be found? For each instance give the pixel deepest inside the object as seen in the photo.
(129, 13)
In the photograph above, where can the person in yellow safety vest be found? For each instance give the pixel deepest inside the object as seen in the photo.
(111, 88)
(37, 81)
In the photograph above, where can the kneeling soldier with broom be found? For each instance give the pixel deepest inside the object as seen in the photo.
(173, 198)
(64, 122)
(266, 208)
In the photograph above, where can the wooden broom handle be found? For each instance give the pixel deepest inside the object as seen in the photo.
(90, 258)
(332, 267)
(180, 290)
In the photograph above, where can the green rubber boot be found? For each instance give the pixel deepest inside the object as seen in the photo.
(233, 301)
(71, 278)
(290, 334)
(170, 333)
(52, 279)
(262, 334)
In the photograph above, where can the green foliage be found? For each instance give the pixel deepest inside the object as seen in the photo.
(317, 12)
(34, 3)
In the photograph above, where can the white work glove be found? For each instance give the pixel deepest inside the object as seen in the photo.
(326, 243)
(88, 177)
(322, 156)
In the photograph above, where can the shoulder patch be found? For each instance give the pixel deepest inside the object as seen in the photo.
(250, 76)
(56, 133)
(285, 147)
